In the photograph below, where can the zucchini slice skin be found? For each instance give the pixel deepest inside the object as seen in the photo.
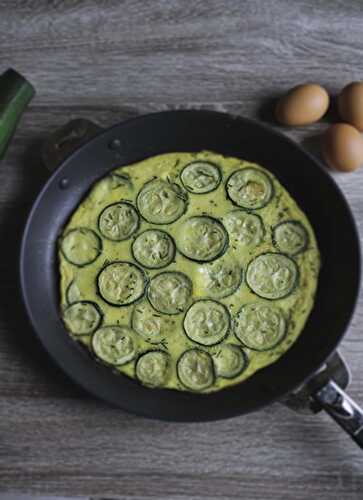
(81, 246)
(272, 276)
(245, 228)
(153, 368)
(201, 177)
(114, 345)
(161, 202)
(82, 318)
(195, 370)
(290, 237)
(161, 296)
(260, 326)
(119, 179)
(121, 283)
(73, 293)
(150, 324)
(153, 249)
(229, 361)
(202, 238)
(249, 188)
(118, 221)
(207, 322)
(222, 277)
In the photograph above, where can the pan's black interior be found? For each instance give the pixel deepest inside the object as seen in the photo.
(149, 135)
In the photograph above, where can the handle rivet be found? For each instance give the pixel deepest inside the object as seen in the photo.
(115, 144)
(64, 183)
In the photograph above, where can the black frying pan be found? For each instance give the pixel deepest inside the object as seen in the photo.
(309, 184)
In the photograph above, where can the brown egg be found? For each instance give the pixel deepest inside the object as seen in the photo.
(350, 104)
(302, 105)
(342, 147)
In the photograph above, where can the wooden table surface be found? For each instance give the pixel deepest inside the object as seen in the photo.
(110, 60)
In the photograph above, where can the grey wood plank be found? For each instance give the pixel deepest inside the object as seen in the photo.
(19, 496)
(173, 51)
(91, 450)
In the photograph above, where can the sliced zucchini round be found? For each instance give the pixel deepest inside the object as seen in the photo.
(150, 324)
(202, 238)
(221, 278)
(119, 221)
(121, 283)
(207, 322)
(201, 177)
(195, 370)
(154, 249)
(81, 246)
(170, 292)
(260, 326)
(103, 189)
(82, 318)
(245, 228)
(118, 179)
(229, 361)
(272, 276)
(73, 293)
(153, 368)
(161, 202)
(290, 237)
(249, 188)
(115, 345)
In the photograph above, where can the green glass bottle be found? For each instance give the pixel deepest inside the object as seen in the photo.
(15, 94)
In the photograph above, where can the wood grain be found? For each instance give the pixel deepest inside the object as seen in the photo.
(110, 60)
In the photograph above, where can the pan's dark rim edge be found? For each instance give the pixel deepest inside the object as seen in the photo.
(268, 129)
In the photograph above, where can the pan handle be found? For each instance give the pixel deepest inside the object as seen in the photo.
(64, 141)
(342, 409)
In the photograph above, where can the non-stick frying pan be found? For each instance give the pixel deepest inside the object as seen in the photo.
(309, 184)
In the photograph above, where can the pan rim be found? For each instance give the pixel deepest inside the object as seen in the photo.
(268, 129)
